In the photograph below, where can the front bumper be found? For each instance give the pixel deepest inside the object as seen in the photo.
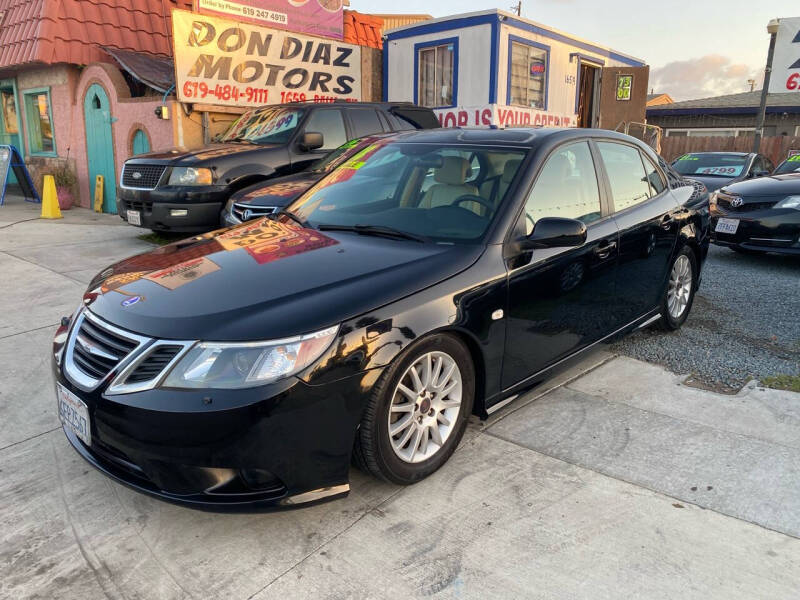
(202, 207)
(278, 446)
(768, 230)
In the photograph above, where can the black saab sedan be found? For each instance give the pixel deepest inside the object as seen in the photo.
(762, 215)
(265, 198)
(248, 366)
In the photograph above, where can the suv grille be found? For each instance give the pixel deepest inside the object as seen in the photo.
(96, 349)
(238, 211)
(143, 177)
(152, 366)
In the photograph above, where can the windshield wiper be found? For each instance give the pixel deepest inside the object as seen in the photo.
(380, 230)
(292, 216)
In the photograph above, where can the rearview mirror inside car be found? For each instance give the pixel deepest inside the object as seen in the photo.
(311, 140)
(555, 232)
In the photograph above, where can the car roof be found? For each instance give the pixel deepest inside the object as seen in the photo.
(516, 136)
(722, 152)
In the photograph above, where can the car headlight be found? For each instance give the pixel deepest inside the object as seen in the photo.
(233, 365)
(190, 176)
(789, 202)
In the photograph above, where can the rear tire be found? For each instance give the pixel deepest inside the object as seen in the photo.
(681, 287)
(417, 412)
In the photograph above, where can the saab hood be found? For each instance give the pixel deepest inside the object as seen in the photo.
(265, 280)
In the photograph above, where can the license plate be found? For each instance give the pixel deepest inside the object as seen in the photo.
(74, 414)
(727, 225)
(134, 217)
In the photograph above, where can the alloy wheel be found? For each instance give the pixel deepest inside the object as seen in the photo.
(680, 286)
(425, 407)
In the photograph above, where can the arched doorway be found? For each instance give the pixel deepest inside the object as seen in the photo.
(100, 145)
(141, 144)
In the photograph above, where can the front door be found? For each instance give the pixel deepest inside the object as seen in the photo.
(561, 299)
(99, 144)
(9, 121)
(646, 214)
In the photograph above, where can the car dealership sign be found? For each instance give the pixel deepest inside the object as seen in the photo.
(499, 115)
(219, 61)
(786, 63)
(317, 17)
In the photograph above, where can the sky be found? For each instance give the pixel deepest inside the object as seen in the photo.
(695, 49)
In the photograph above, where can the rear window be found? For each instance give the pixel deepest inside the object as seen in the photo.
(414, 117)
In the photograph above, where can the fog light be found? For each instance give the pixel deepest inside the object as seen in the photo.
(178, 212)
(259, 479)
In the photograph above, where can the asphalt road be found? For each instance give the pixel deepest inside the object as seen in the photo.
(745, 323)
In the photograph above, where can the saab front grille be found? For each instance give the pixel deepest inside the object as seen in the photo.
(245, 212)
(143, 177)
(152, 366)
(96, 349)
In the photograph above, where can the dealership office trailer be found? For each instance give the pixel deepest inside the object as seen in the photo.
(495, 68)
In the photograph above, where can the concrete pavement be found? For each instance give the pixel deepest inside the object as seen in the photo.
(613, 480)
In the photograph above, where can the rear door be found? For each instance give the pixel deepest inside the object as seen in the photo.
(646, 214)
(364, 121)
(561, 299)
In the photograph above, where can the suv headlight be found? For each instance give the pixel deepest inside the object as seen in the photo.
(233, 365)
(789, 202)
(190, 176)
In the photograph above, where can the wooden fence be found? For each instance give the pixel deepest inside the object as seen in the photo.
(775, 148)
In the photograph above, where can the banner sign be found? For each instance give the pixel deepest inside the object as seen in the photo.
(218, 61)
(317, 17)
(786, 63)
(498, 115)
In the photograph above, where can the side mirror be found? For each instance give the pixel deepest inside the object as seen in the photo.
(555, 232)
(310, 140)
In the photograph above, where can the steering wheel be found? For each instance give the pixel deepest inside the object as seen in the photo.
(473, 198)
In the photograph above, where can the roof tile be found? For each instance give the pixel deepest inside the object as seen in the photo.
(361, 29)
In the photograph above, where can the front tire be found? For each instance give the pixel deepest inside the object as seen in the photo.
(417, 412)
(681, 287)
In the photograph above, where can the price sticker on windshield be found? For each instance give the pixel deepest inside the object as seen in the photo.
(718, 171)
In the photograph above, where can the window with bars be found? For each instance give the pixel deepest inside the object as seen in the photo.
(435, 85)
(528, 75)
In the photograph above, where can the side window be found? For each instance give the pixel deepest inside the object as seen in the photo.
(566, 187)
(365, 121)
(657, 183)
(768, 165)
(329, 123)
(675, 180)
(397, 123)
(629, 184)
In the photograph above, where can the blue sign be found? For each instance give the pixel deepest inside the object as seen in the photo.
(11, 159)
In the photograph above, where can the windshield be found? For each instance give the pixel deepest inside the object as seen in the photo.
(710, 163)
(790, 165)
(443, 193)
(265, 126)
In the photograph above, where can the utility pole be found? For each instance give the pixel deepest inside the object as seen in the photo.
(772, 29)
(517, 8)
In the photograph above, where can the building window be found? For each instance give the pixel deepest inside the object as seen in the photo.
(528, 65)
(436, 66)
(39, 122)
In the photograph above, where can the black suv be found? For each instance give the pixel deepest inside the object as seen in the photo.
(184, 191)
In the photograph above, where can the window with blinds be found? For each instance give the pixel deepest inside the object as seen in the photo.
(528, 76)
(435, 86)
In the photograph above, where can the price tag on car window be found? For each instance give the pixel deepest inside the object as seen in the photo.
(732, 171)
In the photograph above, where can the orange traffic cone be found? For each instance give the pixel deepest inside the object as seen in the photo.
(50, 209)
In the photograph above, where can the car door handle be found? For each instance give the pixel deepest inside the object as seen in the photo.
(667, 221)
(604, 249)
